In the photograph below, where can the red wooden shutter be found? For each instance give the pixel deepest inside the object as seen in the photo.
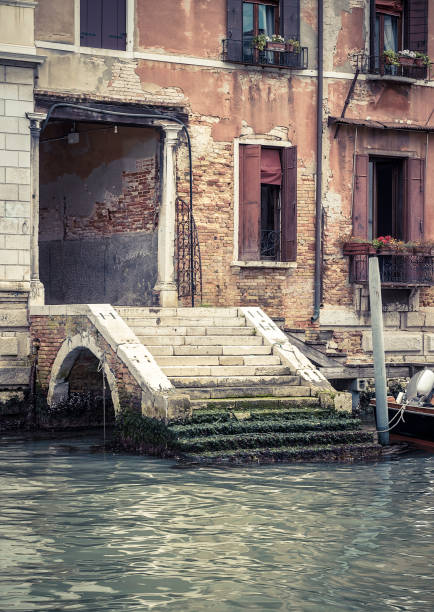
(360, 197)
(113, 24)
(290, 18)
(415, 199)
(289, 204)
(234, 30)
(416, 25)
(250, 203)
(90, 23)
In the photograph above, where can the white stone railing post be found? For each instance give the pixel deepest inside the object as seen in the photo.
(166, 284)
(36, 287)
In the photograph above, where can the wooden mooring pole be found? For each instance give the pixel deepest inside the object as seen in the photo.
(378, 350)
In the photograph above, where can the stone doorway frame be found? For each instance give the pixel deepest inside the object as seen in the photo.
(128, 115)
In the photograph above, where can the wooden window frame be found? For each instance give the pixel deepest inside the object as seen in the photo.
(274, 3)
(288, 212)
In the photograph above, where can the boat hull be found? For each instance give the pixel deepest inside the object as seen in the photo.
(418, 422)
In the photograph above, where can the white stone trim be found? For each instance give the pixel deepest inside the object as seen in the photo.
(203, 62)
(282, 265)
(243, 140)
(289, 354)
(20, 3)
(25, 49)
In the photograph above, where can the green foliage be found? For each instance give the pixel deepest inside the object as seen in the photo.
(317, 452)
(258, 414)
(425, 58)
(392, 57)
(233, 427)
(273, 440)
(138, 433)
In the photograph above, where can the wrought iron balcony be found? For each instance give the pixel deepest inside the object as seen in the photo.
(396, 270)
(242, 52)
(377, 66)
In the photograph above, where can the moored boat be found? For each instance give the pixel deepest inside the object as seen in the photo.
(412, 412)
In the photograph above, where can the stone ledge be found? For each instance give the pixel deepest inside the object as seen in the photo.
(283, 265)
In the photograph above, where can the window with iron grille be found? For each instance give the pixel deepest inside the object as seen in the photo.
(268, 203)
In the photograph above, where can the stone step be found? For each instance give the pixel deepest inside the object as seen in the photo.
(274, 440)
(320, 452)
(236, 426)
(185, 321)
(206, 393)
(222, 371)
(229, 351)
(216, 360)
(172, 340)
(144, 311)
(254, 403)
(193, 331)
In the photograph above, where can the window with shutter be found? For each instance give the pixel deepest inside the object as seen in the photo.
(246, 19)
(103, 24)
(388, 198)
(268, 203)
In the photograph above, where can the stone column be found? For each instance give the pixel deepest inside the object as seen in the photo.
(166, 284)
(36, 287)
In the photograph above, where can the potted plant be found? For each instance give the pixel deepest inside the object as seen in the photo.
(391, 57)
(260, 42)
(277, 43)
(422, 59)
(293, 45)
(406, 57)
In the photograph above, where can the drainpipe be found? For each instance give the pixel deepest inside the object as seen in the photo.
(318, 202)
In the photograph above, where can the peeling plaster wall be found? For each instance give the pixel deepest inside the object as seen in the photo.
(98, 214)
(226, 103)
(54, 21)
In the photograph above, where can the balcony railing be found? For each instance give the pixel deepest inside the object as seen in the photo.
(376, 65)
(242, 52)
(401, 270)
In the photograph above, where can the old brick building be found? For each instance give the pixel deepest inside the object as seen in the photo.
(87, 200)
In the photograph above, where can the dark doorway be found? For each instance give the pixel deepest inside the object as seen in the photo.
(386, 198)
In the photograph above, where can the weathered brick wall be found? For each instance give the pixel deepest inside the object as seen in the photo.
(281, 292)
(51, 331)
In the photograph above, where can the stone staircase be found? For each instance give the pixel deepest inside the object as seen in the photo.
(212, 353)
(246, 404)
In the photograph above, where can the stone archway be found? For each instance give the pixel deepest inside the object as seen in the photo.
(65, 359)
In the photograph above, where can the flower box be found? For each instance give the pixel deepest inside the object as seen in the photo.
(359, 248)
(275, 46)
(406, 61)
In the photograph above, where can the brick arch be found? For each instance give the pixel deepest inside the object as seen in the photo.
(64, 361)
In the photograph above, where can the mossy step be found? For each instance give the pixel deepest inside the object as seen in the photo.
(320, 452)
(200, 445)
(249, 403)
(220, 416)
(237, 427)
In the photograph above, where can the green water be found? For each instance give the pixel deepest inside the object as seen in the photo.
(83, 531)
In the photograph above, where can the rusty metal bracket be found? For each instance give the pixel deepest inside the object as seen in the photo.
(347, 100)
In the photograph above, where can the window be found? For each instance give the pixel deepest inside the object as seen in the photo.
(103, 24)
(388, 26)
(388, 198)
(268, 203)
(399, 24)
(258, 18)
(245, 20)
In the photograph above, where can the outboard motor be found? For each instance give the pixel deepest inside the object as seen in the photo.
(419, 390)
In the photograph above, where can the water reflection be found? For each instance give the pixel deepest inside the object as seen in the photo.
(83, 531)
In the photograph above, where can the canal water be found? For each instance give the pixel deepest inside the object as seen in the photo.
(86, 531)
